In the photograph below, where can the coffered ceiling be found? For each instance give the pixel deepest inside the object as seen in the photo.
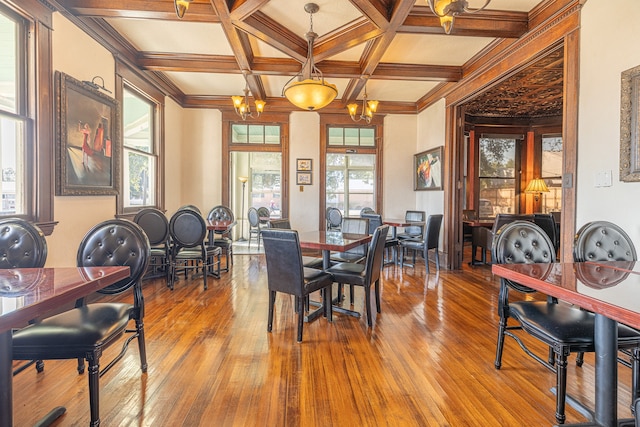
(396, 47)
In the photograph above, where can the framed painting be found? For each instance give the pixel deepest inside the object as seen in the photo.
(303, 178)
(87, 139)
(630, 126)
(304, 164)
(427, 167)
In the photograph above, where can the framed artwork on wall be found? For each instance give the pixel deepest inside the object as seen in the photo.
(304, 164)
(87, 139)
(427, 167)
(630, 126)
(303, 178)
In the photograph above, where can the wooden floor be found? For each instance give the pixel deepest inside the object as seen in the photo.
(428, 361)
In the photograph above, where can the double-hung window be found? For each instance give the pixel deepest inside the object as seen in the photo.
(14, 122)
(140, 159)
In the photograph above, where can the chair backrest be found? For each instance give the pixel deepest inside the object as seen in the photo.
(253, 217)
(220, 213)
(366, 210)
(548, 225)
(22, 244)
(116, 242)
(603, 241)
(353, 225)
(192, 207)
(415, 216)
(432, 231)
(187, 229)
(155, 224)
(375, 255)
(264, 213)
(375, 221)
(522, 242)
(502, 219)
(284, 261)
(282, 224)
(334, 218)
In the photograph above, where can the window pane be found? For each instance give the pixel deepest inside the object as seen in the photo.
(12, 147)
(335, 160)
(141, 178)
(552, 173)
(8, 64)
(239, 134)
(272, 134)
(256, 134)
(367, 137)
(138, 122)
(350, 188)
(497, 176)
(351, 136)
(336, 136)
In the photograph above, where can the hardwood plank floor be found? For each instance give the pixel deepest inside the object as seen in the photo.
(428, 361)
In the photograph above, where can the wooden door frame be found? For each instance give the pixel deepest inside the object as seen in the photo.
(560, 29)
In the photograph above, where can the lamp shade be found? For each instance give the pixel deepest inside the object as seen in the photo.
(536, 185)
(310, 94)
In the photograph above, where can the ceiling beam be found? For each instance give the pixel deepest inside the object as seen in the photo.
(140, 9)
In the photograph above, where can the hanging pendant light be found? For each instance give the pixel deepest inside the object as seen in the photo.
(447, 10)
(310, 91)
(242, 107)
(369, 108)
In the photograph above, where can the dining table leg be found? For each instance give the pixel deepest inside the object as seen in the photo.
(606, 345)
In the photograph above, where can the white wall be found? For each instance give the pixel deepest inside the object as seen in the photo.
(173, 155)
(398, 150)
(79, 56)
(304, 143)
(430, 134)
(605, 52)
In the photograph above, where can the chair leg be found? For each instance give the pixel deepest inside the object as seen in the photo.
(300, 317)
(500, 345)
(328, 303)
(561, 385)
(367, 303)
(272, 300)
(94, 392)
(426, 261)
(377, 287)
(437, 260)
(142, 348)
(635, 380)
(351, 294)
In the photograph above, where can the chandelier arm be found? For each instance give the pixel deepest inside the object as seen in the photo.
(486, 3)
(433, 9)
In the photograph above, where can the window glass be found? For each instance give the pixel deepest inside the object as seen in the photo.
(552, 172)
(8, 64)
(497, 176)
(242, 133)
(352, 136)
(350, 188)
(140, 157)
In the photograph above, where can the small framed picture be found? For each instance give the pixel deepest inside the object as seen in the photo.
(304, 164)
(303, 178)
(427, 168)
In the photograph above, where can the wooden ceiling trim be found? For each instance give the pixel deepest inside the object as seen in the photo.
(242, 9)
(264, 28)
(486, 23)
(377, 48)
(141, 9)
(413, 72)
(374, 10)
(358, 32)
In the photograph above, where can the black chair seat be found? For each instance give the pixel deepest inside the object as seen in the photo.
(191, 253)
(73, 333)
(563, 324)
(347, 257)
(348, 272)
(312, 262)
(315, 279)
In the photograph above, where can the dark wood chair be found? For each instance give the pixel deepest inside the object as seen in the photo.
(222, 240)
(413, 231)
(307, 261)
(483, 237)
(22, 245)
(156, 226)
(189, 250)
(564, 328)
(430, 241)
(353, 226)
(334, 219)
(367, 274)
(85, 331)
(286, 274)
(255, 226)
(390, 243)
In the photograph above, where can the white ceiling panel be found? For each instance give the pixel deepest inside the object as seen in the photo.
(434, 49)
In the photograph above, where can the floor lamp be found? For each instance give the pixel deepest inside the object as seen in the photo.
(243, 180)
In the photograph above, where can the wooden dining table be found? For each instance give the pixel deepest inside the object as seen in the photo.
(29, 293)
(328, 241)
(608, 289)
